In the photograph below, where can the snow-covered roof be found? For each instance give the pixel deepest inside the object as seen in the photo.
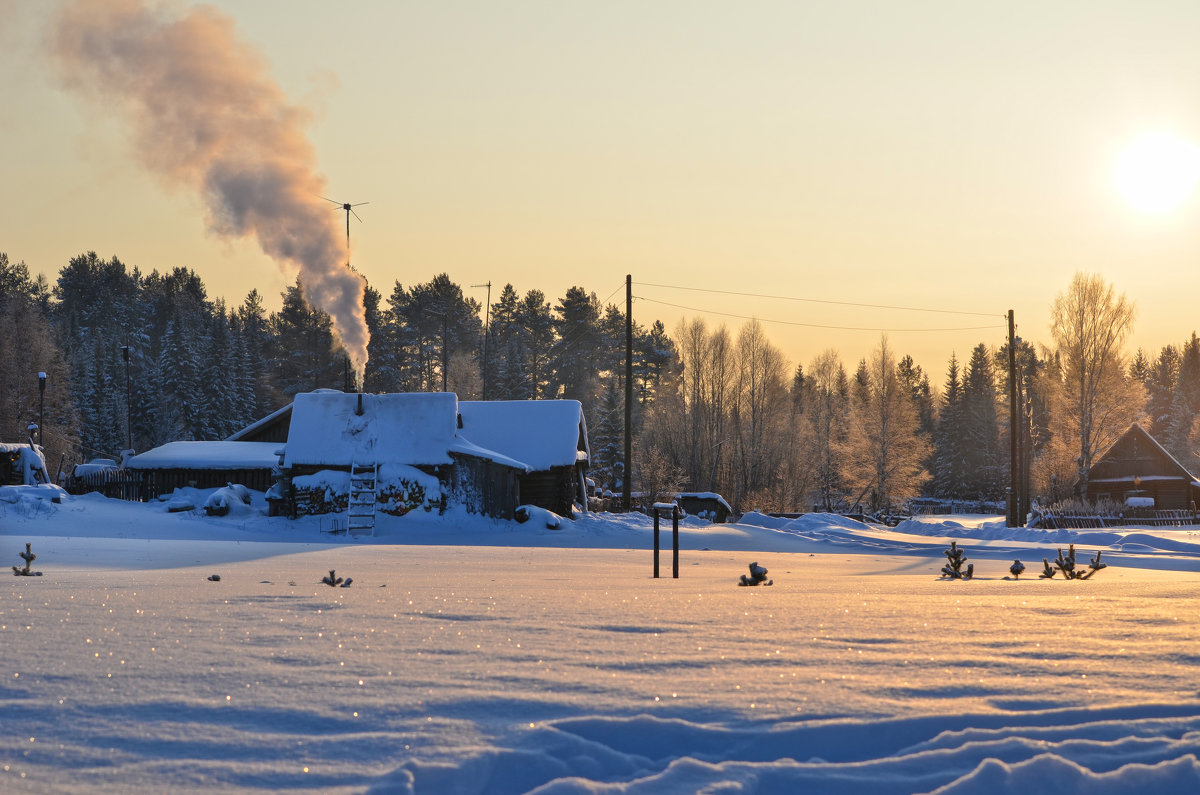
(706, 495)
(208, 455)
(413, 428)
(542, 433)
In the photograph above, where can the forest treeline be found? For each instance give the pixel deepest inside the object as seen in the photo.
(137, 360)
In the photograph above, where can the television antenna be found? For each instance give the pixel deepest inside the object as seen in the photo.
(349, 208)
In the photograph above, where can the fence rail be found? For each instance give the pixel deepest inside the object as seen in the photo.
(119, 484)
(1051, 519)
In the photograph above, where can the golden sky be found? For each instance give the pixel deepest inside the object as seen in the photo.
(949, 155)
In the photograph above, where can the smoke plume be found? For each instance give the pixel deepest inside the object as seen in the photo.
(206, 114)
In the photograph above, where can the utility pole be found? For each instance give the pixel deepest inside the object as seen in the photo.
(42, 409)
(128, 405)
(627, 479)
(487, 322)
(1013, 426)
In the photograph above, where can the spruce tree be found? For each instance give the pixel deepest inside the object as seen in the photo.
(949, 458)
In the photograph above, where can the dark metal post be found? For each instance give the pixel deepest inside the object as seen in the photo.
(655, 512)
(42, 409)
(675, 542)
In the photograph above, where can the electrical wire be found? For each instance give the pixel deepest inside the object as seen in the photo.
(818, 300)
(812, 325)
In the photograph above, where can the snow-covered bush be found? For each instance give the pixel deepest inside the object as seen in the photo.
(230, 499)
(525, 513)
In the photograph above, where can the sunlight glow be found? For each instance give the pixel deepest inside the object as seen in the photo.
(1158, 172)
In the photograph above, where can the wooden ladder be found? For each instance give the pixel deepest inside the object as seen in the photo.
(360, 514)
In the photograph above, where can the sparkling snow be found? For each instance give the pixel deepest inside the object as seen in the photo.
(480, 656)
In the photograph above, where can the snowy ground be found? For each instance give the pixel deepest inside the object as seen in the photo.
(473, 656)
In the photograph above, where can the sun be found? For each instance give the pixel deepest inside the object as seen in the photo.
(1158, 172)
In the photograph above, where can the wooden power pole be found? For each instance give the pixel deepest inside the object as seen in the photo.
(1014, 491)
(627, 475)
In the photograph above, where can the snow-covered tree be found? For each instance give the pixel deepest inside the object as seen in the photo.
(884, 451)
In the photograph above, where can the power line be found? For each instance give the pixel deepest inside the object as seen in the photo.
(813, 325)
(822, 301)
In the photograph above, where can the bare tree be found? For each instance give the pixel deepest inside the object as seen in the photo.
(884, 452)
(827, 414)
(708, 367)
(1089, 323)
(656, 479)
(761, 410)
(27, 347)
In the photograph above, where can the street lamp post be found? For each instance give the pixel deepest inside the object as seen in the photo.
(42, 409)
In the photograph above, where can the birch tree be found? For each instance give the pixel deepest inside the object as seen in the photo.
(1089, 324)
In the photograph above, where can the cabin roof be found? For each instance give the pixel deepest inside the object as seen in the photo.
(412, 428)
(542, 433)
(1123, 461)
(208, 455)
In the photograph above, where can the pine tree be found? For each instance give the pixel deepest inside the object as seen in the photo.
(301, 347)
(949, 458)
(1160, 390)
(984, 467)
(1185, 407)
(577, 348)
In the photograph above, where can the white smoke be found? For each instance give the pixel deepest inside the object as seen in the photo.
(205, 113)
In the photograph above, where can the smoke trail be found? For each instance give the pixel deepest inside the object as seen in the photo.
(205, 114)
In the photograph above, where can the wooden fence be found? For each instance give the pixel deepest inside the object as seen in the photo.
(1051, 519)
(143, 485)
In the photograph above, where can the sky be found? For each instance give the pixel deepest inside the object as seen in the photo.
(925, 155)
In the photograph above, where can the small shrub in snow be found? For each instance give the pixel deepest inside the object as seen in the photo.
(1066, 564)
(1016, 569)
(953, 568)
(757, 576)
(29, 557)
(334, 581)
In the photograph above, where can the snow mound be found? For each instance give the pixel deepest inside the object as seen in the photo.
(31, 501)
(230, 500)
(539, 516)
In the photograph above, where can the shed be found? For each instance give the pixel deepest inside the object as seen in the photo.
(207, 465)
(1136, 465)
(706, 505)
(406, 444)
(548, 436)
(22, 465)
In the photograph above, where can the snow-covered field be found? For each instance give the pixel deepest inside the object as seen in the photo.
(474, 656)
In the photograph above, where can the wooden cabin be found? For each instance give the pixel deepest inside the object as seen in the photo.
(205, 465)
(403, 450)
(1137, 466)
(548, 436)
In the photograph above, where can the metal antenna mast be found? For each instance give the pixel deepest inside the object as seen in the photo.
(349, 208)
